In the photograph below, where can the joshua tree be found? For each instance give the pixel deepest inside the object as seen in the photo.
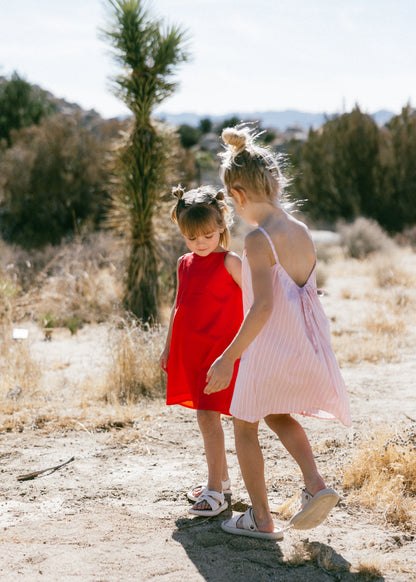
(148, 55)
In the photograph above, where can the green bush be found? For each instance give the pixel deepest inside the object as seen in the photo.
(52, 182)
(350, 167)
(21, 105)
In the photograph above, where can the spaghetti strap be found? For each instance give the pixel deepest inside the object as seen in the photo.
(276, 258)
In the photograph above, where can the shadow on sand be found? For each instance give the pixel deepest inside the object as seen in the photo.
(221, 557)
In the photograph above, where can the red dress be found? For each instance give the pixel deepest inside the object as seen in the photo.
(208, 314)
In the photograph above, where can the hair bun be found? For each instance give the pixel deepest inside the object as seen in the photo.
(178, 192)
(219, 195)
(234, 137)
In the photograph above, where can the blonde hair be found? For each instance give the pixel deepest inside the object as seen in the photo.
(245, 163)
(202, 210)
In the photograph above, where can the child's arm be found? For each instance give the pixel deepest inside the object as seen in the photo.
(163, 360)
(232, 263)
(258, 255)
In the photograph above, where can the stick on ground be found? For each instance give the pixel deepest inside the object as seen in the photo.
(29, 476)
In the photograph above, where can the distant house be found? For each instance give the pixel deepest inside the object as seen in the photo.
(296, 132)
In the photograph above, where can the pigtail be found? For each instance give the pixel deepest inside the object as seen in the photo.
(178, 191)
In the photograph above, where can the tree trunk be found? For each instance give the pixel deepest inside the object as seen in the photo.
(142, 294)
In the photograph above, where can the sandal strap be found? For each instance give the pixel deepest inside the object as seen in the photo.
(213, 498)
(305, 497)
(247, 521)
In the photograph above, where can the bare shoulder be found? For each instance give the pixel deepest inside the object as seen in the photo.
(298, 224)
(258, 249)
(295, 248)
(232, 258)
(256, 241)
(291, 232)
(232, 263)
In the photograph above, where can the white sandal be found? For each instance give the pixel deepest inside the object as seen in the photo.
(314, 508)
(214, 499)
(192, 497)
(248, 527)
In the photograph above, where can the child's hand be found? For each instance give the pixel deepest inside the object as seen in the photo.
(219, 375)
(163, 360)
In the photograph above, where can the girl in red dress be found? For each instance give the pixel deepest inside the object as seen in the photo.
(206, 315)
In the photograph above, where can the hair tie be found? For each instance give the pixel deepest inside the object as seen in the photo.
(178, 192)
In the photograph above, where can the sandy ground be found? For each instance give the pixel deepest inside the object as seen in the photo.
(118, 511)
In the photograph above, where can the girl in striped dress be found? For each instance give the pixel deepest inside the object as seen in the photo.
(287, 362)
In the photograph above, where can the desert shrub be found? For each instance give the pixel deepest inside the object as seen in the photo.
(338, 168)
(351, 167)
(21, 105)
(407, 237)
(134, 371)
(53, 182)
(382, 476)
(189, 135)
(79, 282)
(363, 237)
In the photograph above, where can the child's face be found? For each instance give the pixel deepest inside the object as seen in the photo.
(203, 244)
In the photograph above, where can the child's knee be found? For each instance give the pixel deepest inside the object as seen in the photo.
(208, 419)
(244, 428)
(276, 421)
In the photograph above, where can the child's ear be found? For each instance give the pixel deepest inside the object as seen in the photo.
(239, 195)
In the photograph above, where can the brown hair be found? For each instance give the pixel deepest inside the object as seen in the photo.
(247, 164)
(202, 210)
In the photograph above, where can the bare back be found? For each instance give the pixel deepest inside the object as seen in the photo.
(294, 246)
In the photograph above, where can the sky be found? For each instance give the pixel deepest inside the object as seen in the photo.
(246, 55)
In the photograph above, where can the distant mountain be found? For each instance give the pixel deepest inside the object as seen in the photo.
(382, 117)
(279, 120)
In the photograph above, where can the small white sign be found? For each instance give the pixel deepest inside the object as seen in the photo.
(20, 333)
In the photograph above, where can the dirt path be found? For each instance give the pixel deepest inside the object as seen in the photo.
(119, 511)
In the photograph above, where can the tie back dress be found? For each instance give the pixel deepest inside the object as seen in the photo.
(290, 367)
(208, 314)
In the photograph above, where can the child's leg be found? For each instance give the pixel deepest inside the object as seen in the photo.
(294, 439)
(251, 463)
(211, 429)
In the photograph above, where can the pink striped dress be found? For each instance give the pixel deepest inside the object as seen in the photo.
(290, 367)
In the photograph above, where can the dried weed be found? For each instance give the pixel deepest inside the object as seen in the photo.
(382, 476)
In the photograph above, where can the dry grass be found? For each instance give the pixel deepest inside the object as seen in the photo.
(372, 568)
(382, 477)
(385, 321)
(357, 348)
(381, 293)
(72, 284)
(134, 371)
(19, 373)
(390, 271)
(321, 275)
